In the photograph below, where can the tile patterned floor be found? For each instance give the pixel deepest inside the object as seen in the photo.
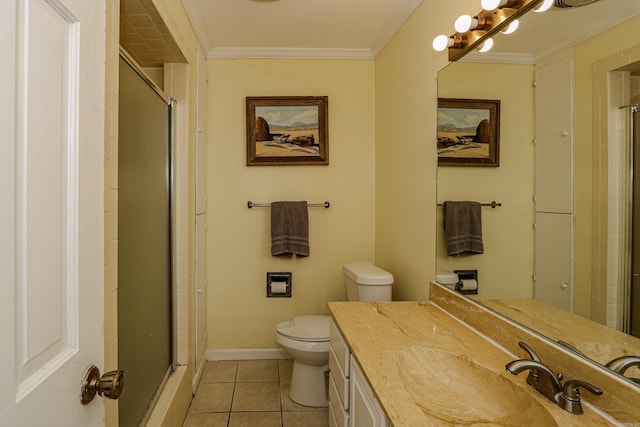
(250, 393)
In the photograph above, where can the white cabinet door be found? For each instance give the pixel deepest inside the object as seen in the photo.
(554, 136)
(52, 209)
(554, 267)
(365, 411)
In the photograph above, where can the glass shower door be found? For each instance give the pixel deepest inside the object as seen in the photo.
(144, 244)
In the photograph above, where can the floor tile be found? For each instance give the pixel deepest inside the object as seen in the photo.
(285, 367)
(254, 419)
(250, 393)
(259, 396)
(290, 405)
(223, 371)
(257, 370)
(306, 419)
(207, 420)
(214, 397)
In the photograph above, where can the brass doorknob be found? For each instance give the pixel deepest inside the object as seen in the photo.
(109, 385)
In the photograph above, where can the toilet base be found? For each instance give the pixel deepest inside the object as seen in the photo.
(309, 385)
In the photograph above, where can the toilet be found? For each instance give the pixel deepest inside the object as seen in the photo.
(306, 338)
(447, 278)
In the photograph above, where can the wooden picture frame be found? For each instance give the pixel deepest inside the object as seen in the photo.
(287, 130)
(468, 132)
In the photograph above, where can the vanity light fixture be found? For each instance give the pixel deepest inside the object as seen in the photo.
(546, 4)
(443, 42)
(512, 27)
(475, 32)
(486, 46)
(498, 4)
(467, 23)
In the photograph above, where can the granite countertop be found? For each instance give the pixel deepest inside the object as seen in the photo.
(598, 342)
(428, 368)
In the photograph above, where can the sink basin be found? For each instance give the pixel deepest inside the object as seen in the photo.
(452, 390)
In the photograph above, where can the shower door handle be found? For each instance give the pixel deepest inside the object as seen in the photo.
(109, 385)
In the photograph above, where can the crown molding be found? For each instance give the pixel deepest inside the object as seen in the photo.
(288, 53)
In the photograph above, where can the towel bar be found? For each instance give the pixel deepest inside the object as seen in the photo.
(250, 205)
(493, 204)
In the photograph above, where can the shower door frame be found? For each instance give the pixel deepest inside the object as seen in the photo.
(172, 121)
(632, 318)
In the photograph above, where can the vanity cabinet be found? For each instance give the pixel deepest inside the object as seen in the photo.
(365, 410)
(352, 402)
(339, 361)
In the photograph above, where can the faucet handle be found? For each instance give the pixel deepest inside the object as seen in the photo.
(532, 354)
(569, 399)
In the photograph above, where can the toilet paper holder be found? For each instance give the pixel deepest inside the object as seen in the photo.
(279, 284)
(466, 275)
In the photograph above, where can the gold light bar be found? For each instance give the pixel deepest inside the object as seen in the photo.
(495, 21)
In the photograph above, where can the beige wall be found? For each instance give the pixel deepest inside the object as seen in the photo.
(591, 166)
(238, 245)
(406, 94)
(505, 269)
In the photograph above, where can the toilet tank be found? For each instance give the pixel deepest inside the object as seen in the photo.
(367, 282)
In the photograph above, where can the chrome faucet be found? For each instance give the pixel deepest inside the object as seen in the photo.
(546, 384)
(620, 364)
(569, 399)
(532, 379)
(549, 384)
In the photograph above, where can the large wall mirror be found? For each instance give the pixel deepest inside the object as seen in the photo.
(558, 252)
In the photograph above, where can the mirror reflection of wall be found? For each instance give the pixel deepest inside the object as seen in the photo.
(577, 173)
(505, 269)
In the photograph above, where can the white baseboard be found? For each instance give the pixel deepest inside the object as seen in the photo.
(247, 354)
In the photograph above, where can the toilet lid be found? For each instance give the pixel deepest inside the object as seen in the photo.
(305, 328)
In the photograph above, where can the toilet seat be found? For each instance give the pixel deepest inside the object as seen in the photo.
(305, 328)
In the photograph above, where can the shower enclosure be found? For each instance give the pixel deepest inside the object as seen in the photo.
(145, 325)
(634, 291)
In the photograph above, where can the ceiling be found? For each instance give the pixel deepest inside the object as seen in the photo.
(297, 28)
(563, 28)
(144, 35)
(341, 29)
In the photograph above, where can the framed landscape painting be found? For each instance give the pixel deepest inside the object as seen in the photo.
(287, 130)
(468, 132)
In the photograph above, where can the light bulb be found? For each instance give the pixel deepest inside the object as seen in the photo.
(513, 26)
(486, 46)
(440, 43)
(492, 4)
(464, 23)
(546, 4)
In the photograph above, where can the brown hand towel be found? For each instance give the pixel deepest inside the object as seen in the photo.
(463, 228)
(289, 229)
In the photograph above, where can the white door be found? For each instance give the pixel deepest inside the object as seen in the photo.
(51, 209)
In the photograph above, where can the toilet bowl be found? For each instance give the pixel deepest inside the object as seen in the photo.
(306, 338)
(447, 278)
